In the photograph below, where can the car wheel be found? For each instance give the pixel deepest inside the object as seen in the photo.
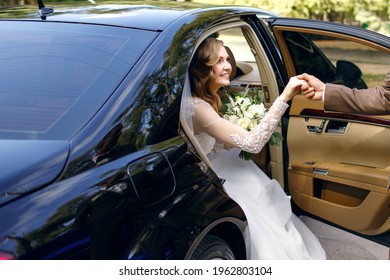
(213, 248)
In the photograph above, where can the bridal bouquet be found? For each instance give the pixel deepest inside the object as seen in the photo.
(246, 108)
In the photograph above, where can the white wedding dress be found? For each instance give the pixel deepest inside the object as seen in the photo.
(274, 232)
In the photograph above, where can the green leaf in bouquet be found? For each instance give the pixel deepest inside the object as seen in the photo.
(245, 155)
(276, 139)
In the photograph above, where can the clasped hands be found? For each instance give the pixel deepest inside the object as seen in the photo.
(308, 85)
(312, 87)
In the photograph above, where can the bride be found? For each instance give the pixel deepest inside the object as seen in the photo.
(274, 231)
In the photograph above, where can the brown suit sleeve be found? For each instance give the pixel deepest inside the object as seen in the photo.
(374, 101)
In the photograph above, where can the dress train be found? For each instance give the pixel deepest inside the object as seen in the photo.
(273, 232)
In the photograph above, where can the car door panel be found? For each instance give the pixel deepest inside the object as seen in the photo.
(338, 163)
(337, 176)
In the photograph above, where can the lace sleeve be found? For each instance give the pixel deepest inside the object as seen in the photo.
(205, 119)
(255, 140)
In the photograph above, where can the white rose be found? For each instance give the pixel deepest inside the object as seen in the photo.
(233, 119)
(248, 115)
(243, 122)
(257, 110)
(252, 124)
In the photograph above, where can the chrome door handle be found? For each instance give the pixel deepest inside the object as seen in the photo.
(316, 129)
(336, 127)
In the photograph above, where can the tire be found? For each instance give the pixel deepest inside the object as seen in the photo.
(212, 248)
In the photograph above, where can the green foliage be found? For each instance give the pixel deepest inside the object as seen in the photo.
(370, 14)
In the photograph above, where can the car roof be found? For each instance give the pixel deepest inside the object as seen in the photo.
(138, 16)
(134, 16)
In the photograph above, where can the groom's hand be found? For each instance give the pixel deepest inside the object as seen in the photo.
(313, 89)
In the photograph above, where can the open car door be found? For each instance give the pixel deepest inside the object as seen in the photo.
(338, 163)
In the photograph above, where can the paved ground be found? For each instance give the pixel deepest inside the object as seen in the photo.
(341, 245)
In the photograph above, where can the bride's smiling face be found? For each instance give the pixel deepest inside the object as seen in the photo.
(222, 70)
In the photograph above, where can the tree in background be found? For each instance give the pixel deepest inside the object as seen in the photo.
(8, 3)
(371, 14)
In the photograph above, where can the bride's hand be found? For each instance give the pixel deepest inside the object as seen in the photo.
(292, 88)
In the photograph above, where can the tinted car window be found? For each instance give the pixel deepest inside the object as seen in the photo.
(337, 60)
(307, 57)
(357, 65)
(80, 66)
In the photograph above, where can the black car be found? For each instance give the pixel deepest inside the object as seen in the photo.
(96, 162)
